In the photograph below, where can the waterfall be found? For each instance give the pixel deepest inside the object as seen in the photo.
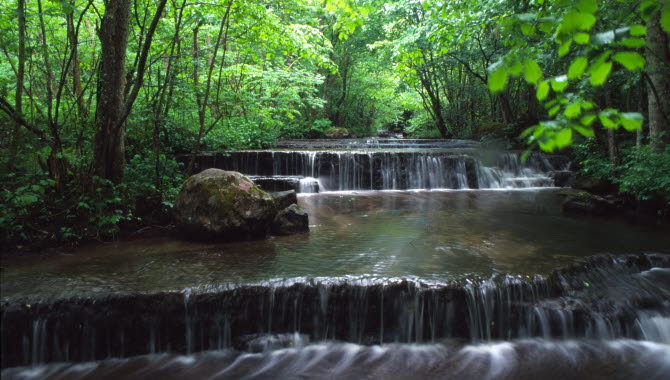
(605, 298)
(392, 164)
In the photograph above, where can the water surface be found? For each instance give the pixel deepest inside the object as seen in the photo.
(427, 235)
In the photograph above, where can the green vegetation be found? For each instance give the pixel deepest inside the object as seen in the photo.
(98, 97)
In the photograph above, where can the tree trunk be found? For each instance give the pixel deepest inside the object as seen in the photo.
(505, 109)
(76, 72)
(109, 152)
(20, 74)
(611, 141)
(658, 71)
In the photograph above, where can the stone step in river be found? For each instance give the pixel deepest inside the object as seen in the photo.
(378, 164)
(603, 298)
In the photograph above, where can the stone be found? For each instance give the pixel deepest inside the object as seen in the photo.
(338, 133)
(291, 220)
(585, 203)
(594, 185)
(562, 178)
(223, 206)
(285, 198)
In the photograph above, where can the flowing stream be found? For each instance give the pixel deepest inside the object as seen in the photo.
(423, 280)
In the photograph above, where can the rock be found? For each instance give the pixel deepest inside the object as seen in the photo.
(562, 178)
(291, 220)
(594, 185)
(338, 133)
(284, 198)
(223, 205)
(589, 204)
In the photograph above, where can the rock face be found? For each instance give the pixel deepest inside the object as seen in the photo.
(223, 205)
(291, 220)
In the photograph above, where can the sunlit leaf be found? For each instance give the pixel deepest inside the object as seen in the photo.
(582, 38)
(563, 138)
(531, 71)
(577, 68)
(599, 73)
(633, 43)
(584, 131)
(587, 120)
(558, 84)
(497, 80)
(638, 30)
(630, 60)
(542, 90)
(609, 119)
(564, 48)
(631, 120)
(573, 111)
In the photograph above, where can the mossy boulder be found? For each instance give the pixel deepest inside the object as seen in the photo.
(224, 206)
(338, 133)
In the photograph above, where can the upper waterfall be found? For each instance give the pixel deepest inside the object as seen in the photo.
(389, 164)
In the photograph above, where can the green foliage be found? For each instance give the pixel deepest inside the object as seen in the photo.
(641, 173)
(39, 213)
(567, 98)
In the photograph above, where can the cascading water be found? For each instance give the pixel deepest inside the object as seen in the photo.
(388, 285)
(371, 165)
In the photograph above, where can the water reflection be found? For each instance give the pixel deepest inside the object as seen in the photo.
(434, 235)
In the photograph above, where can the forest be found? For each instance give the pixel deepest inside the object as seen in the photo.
(105, 104)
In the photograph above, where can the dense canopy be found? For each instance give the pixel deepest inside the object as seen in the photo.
(99, 97)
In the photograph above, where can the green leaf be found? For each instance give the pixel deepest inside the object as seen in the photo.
(608, 118)
(632, 121)
(532, 72)
(516, 68)
(584, 131)
(542, 90)
(564, 48)
(587, 6)
(497, 80)
(587, 120)
(554, 110)
(577, 68)
(599, 73)
(630, 60)
(665, 19)
(563, 138)
(582, 38)
(573, 111)
(638, 30)
(558, 84)
(633, 43)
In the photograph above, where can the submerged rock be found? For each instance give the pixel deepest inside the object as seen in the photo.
(590, 204)
(223, 205)
(291, 220)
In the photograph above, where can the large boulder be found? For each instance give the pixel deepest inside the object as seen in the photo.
(338, 133)
(223, 205)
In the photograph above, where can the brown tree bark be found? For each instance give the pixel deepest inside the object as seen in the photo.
(109, 149)
(113, 107)
(658, 75)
